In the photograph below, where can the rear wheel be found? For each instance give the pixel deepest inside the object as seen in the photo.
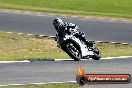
(73, 50)
(96, 55)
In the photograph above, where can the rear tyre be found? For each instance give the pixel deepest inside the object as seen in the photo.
(96, 55)
(73, 50)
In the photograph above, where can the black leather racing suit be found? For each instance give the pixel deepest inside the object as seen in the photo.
(70, 28)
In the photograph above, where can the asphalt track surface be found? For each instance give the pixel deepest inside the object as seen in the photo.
(62, 71)
(95, 29)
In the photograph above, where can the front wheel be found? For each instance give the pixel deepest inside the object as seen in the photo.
(73, 50)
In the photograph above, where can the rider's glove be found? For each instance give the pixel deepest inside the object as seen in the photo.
(82, 34)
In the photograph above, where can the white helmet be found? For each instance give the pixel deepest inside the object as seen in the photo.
(57, 22)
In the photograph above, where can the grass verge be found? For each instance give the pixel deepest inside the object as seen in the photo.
(18, 47)
(22, 47)
(112, 8)
(46, 86)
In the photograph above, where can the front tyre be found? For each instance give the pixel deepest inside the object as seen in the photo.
(73, 50)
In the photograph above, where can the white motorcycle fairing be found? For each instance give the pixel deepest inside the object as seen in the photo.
(84, 49)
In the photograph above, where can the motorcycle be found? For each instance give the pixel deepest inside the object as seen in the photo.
(77, 49)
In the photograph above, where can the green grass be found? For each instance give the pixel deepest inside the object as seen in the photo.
(22, 47)
(112, 8)
(46, 86)
(114, 50)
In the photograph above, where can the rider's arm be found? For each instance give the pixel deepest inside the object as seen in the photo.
(72, 28)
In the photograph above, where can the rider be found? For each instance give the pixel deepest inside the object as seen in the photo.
(69, 28)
